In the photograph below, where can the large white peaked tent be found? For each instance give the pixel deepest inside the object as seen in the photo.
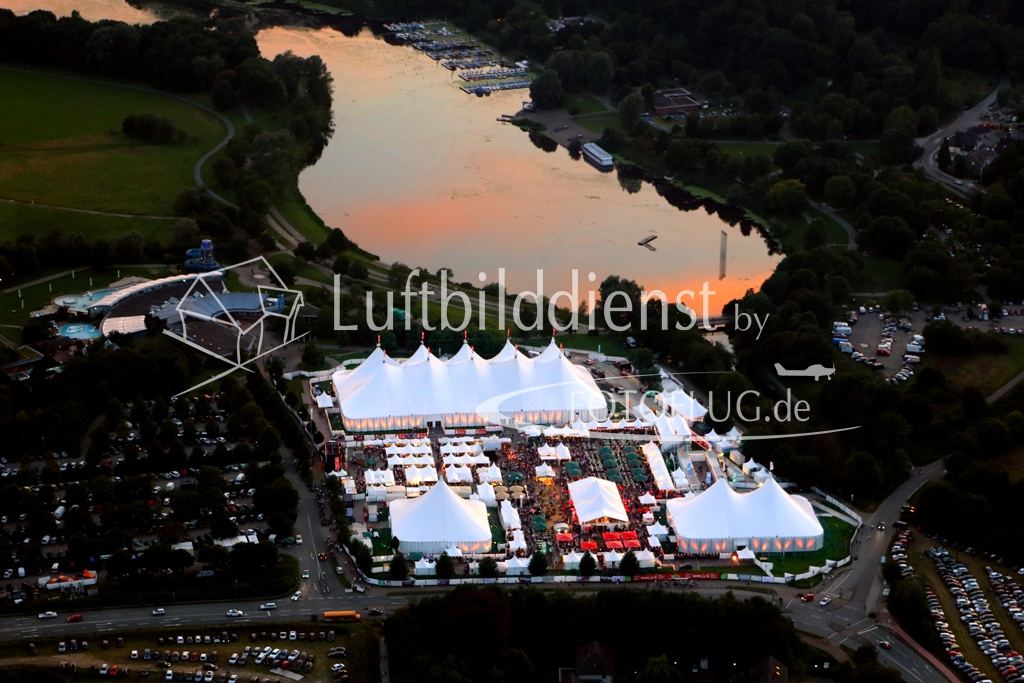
(440, 519)
(384, 394)
(597, 501)
(768, 519)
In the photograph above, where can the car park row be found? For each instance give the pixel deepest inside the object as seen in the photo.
(977, 617)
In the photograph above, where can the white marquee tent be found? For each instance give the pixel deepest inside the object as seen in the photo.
(596, 501)
(766, 520)
(440, 519)
(384, 394)
(683, 404)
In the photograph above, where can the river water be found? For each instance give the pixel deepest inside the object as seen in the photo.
(420, 172)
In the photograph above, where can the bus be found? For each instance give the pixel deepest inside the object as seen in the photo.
(348, 615)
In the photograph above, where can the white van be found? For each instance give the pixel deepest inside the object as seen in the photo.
(915, 348)
(45, 541)
(239, 479)
(845, 347)
(911, 360)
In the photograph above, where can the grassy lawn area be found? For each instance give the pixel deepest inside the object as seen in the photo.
(879, 275)
(1013, 463)
(865, 149)
(837, 546)
(581, 105)
(304, 220)
(598, 122)
(301, 268)
(16, 219)
(63, 145)
(964, 87)
(747, 147)
(987, 371)
(796, 230)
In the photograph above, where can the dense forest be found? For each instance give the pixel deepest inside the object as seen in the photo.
(493, 635)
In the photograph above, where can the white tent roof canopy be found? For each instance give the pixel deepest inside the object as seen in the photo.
(440, 519)
(682, 404)
(597, 499)
(466, 390)
(766, 520)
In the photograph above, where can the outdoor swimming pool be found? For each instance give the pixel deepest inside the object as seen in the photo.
(81, 302)
(80, 331)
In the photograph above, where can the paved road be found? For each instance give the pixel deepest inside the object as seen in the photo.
(858, 590)
(931, 143)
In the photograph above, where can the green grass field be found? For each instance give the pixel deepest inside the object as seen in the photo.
(597, 123)
(18, 220)
(304, 220)
(837, 546)
(986, 371)
(63, 145)
(879, 275)
(581, 105)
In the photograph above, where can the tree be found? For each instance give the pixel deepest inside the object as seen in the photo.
(398, 570)
(588, 565)
(945, 159)
(358, 271)
(171, 532)
(444, 567)
(394, 544)
(840, 191)
(222, 527)
(630, 110)
(898, 301)
(313, 355)
(488, 568)
(341, 265)
(897, 146)
(629, 565)
(788, 197)
(660, 670)
(546, 90)
(538, 564)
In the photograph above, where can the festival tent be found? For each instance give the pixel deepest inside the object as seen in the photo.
(383, 394)
(547, 452)
(486, 494)
(518, 541)
(658, 530)
(646, 558)
(396, 461)
(682, 404)
(562, 452)
(596, 501)
(545, 471)
(440, 519)
(612, 558)
(481, 459)
(412, 476)
(656, 462)
(672, 428)
(456, 475)
(572, 560)
(324, 401)
(766, 520)
(517, 566)
(509, 516)
(424, 567)
(428, 474)
(647, 499)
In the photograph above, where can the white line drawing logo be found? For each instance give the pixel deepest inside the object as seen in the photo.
(230, 311)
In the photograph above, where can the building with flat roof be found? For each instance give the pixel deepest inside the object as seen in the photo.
(674, 101)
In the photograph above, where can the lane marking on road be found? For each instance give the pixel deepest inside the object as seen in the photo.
(867, 630)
